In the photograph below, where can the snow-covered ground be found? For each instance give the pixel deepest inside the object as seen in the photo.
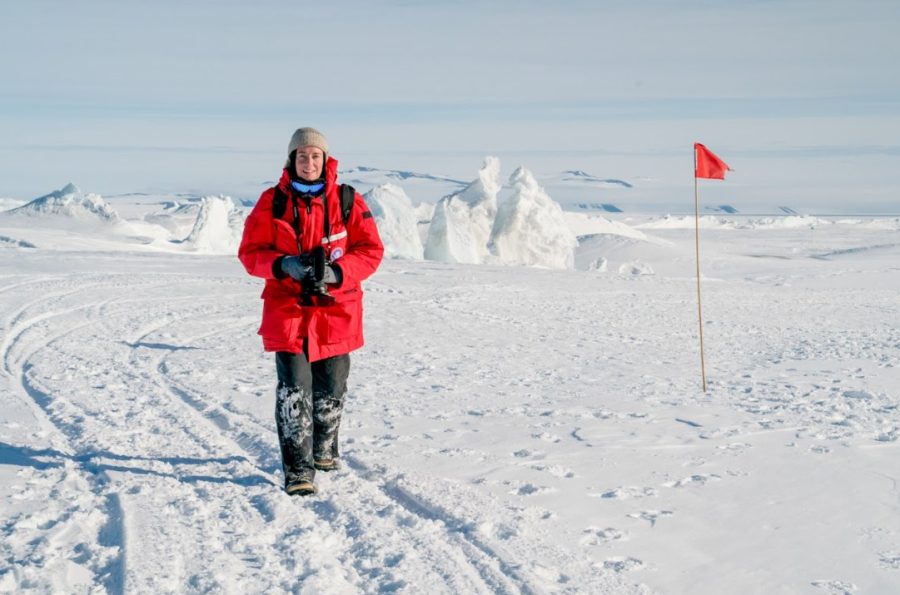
(508, 429)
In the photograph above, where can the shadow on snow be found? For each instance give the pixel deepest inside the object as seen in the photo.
(93, 462)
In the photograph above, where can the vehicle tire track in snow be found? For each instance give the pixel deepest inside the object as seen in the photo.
(455, 562)
(453, 557)
(80, 507)
(152, 406)
(23, 359)
(256, 442)
(105, 488)
(486, 543)
(499, 574)
(17, 323)
(391, 548)
(250, 503)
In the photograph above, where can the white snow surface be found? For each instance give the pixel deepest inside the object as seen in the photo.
(507, 430)
(10, 203)
(462, 222)
(530, 228)
(397, 221)
(583, 224)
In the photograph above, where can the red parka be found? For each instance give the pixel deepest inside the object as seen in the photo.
(332, 327)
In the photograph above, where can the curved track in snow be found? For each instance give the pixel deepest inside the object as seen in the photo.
(171, 486)
(506, 431)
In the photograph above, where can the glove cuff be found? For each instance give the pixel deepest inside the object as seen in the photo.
(276, 268)
(338, 274)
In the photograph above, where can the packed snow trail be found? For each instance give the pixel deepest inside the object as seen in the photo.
(507, 430)
(157, 484)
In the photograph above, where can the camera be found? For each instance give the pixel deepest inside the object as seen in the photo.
(314, 283)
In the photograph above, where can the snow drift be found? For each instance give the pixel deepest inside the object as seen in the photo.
(68, 207)
(175, 217)
(461, 225)
(604, 252)
(397, 221)
(530, 228)
(218, 227)
(10, 203)
(585, 224)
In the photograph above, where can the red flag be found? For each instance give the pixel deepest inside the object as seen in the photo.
(707, 165)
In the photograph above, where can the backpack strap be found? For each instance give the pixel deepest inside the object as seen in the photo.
(279, 203)
(348, 195)
(279, 208)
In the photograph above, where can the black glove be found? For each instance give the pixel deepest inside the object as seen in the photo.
(321, 274)
(296, 267)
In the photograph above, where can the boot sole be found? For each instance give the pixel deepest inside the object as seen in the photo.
(301, 488)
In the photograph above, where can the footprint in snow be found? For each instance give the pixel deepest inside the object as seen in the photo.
(734, 447)
(597, 536)
(554, 470)
(529, 489)
(650, 516)
(890, 560)
(836, 587)
(626, 493)
(549, 574)
(524, 453)
(890, 436)
(697, 479)
(719, 433)
(622, 564)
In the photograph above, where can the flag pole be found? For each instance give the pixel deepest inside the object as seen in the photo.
(697, 247)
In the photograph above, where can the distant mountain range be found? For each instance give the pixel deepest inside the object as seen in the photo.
(397, 175)
(576, 175)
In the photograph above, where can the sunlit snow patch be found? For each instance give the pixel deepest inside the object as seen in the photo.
(397, 221)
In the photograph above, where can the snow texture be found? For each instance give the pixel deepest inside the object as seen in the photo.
(218, 227)
(530, 228)
(507, 429)
(66, 205)
(397, 221)
(10, 203)
(461, 224)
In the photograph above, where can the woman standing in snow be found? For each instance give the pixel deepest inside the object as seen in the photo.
(313, 241)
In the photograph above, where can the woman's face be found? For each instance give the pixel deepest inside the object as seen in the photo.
(309, 163)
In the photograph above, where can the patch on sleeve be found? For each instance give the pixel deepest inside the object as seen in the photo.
(367, 215)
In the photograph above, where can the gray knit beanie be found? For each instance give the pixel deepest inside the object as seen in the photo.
(306, 137)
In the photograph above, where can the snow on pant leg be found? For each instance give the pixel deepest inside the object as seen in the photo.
(329, 387)
(294, 415)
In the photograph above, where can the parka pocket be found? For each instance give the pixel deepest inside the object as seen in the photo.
(341, 321)
(280, 320)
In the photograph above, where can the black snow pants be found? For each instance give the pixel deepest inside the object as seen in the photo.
(308, 407)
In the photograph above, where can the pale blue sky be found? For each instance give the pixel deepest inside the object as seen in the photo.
(800, 97)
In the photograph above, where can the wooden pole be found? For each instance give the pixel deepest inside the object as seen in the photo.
(697, 246)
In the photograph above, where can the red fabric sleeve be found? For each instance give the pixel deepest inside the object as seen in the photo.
(257, 250)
